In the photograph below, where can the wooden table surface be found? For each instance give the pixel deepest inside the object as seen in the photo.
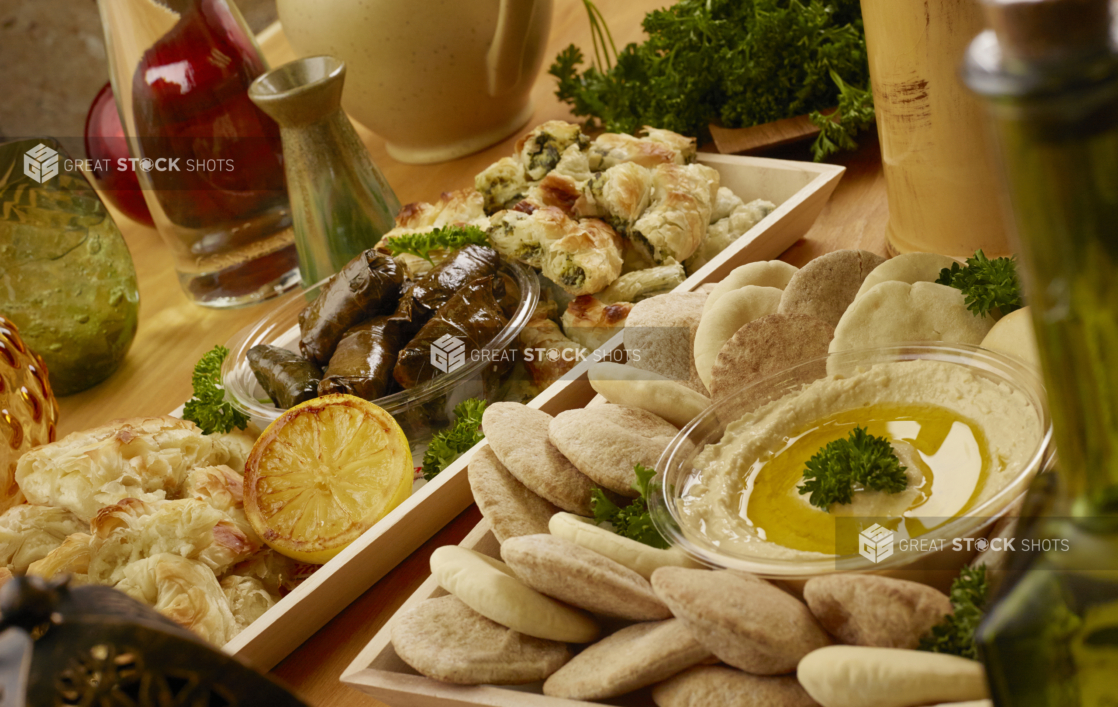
(174, 333)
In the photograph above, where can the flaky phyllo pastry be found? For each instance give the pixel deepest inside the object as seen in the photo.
(152, 507)
(588, 212)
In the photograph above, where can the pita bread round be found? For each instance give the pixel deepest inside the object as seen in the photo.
(606, 441)
(1013, 335)
(659, 336)
(769, 345)
(826, 286)
(719, 686)
(446, 640)
(642, 559)
(897, 312)
(733, 311)
(491, 589)
(908, 267)
(856, 676)
(511, 508)
(745, 621)
(518, 435)
(582, 578)
(630, 659)
(625, 385)
(772, 273)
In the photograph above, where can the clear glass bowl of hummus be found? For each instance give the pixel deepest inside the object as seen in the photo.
(970, 427)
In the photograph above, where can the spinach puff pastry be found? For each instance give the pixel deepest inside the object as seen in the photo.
(541, 149)
(525, 236)
(619, 195)
(502, 184)
(676, 221)
(586, 259)
(656, 147)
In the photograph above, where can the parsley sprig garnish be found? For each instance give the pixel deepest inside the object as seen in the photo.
(445, 238)
(986, 284)
(837, 130)
(955, 634)
(859, 459)
(633, 521)
(208, 408)
(451, 443)
(738, 62)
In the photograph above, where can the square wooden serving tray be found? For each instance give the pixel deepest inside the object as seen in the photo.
(799, 189)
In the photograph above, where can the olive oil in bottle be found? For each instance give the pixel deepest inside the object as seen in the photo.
(1049, 73)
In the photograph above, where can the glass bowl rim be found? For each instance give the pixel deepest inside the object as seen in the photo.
(1009, 369)
(268, 329)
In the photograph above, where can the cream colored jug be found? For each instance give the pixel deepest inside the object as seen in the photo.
(937, 156)
(437, 79)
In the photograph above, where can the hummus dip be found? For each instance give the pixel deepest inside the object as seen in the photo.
(962, 437)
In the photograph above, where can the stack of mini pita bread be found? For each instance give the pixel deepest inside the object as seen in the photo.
(594, 615)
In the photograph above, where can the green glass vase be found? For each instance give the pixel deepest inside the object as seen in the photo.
(66, 276)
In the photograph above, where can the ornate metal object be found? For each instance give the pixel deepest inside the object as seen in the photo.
(96, 647)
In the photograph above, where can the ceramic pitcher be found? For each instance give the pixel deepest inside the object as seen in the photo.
(437, 79)
(938, 159)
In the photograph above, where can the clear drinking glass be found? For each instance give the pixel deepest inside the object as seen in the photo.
(209, 162)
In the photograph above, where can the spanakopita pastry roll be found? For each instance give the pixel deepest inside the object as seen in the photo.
(725, 231)
(642, 284)
(541, 149)
(676, 222)
(619, 195)
(30, 532)
(543, 336)
(502, 184)
(661, 147)
(183, 590)
(526, 236)
(562, 186)
(591, 322)
(144, 457)
(585, 260)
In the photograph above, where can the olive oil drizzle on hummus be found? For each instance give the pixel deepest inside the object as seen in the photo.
(936, 444)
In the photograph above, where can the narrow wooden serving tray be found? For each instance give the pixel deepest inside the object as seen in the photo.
(378, 670)
(799, 189)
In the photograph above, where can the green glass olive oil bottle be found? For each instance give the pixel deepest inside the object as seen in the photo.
(1048, 70)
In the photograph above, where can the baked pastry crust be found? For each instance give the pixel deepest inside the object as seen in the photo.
(145, 458)
(30, 532)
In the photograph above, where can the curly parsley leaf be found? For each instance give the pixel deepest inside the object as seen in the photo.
(986, 284)
(837, 129)
(859, 459)
(208, 408)
(955, 633)
(445, 238)
(741, 62)
(448, 445)
(633, 521)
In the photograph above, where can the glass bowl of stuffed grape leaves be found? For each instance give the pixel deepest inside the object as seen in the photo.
(416, 346)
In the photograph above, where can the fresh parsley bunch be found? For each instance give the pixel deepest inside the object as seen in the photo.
(633, 521)
(857, 459)
(208, 408)
(955, 634)
(448, 445)
(741, 62)
(988, 285)
(445, 238)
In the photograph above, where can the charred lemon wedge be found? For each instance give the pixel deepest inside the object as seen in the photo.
(323, 473)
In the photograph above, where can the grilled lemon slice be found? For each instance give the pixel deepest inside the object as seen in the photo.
(323, 473)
